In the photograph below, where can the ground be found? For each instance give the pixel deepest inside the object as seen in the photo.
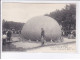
(18, 44)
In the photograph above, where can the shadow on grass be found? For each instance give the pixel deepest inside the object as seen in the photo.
(10, 47)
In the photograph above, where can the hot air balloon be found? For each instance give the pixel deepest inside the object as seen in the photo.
(32, 28)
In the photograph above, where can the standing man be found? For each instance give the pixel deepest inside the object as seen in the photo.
(9, 34)
(42, 35)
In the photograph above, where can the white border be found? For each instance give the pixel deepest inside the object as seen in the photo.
(35, 0)
(48, 55)
(29, 1)
(1, 28)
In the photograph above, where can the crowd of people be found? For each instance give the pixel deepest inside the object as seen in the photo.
(69, 33)
(7, 34)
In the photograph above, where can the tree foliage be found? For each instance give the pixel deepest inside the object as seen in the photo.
(12, 25)
(65, 17)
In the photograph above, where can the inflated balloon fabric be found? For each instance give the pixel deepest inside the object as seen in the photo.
(32, 28)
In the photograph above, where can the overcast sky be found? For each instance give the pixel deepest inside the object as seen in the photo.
(22, 12)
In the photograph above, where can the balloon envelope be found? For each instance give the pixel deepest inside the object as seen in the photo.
(32, 28)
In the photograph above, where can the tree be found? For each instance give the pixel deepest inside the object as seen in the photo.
(12, 25)
(65, 17)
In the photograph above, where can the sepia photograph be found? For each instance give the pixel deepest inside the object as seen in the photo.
(38, 27)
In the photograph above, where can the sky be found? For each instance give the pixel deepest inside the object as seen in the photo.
(22, 12)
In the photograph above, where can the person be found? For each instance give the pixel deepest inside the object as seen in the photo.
(42, 36)
(4, 37)
(9, 34)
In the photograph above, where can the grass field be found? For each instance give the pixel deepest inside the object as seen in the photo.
(20, 45)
